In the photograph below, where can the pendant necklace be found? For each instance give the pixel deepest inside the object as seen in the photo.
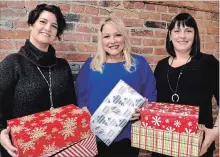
(175, 97)
(49, 85)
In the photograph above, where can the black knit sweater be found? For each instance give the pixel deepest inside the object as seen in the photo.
(24, 91)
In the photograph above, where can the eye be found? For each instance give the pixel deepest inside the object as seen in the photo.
(42, 21)
(106, 36)
(188, 31)
(176, 30)
(118, 35)
(55, 26)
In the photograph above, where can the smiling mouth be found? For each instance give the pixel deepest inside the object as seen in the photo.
(45, 34)
(114, 47)
(182, 42)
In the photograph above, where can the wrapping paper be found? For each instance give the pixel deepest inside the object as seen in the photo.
(171, 117)
(44, 132)
(166, 142)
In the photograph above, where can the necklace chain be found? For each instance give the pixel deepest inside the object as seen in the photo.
(49, 85)
(177, 83)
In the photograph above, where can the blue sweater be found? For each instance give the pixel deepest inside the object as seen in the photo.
(92, 87)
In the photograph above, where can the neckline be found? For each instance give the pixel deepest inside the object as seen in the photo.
(178, 66)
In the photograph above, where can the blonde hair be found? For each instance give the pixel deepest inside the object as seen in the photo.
(100, 56)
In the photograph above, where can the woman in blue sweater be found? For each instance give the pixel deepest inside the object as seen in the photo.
(112, 62)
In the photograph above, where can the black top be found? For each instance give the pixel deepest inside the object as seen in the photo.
(198, 83)
(24, 91)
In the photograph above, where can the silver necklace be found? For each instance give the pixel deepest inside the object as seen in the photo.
(175, 95)
(49, 85)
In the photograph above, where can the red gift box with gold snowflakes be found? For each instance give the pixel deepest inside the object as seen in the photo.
(44, 132)
(171, 117)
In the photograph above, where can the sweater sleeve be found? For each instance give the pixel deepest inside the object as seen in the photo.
(149, 82)
(214, 69)
(8, 77)
(82, 84)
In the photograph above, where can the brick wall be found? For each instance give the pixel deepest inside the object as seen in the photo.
(146, 22)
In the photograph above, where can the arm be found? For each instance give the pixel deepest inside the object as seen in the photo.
(8, 79)
(149, 83)
(81, 85)
(212, 134)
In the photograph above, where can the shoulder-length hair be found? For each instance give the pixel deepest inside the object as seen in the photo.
(35, 13)
(100, 56)
(184, 19)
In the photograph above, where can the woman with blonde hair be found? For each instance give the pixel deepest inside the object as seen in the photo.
(98, 76)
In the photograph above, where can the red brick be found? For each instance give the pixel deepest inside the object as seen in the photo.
(133, 22)
(13, 12)
(160, 51)
(212, 46)
(7, 45)
(77, 8)
(160, 34)
(154, 16)
(129, 5)
(141, 50)
(154, 59)
(146, 33)
(119, 12)
(131, 14)
(8, 34)
(84, 19)
(85, 29)
(208, 38)
(143, 15)
(174, 10)
(139, 5)
(73, 57)
(212, 30)
(20, 24)
(166, 17)
(64, 46)
(97, 20)
(94, 39)
(161, 8)
(3, 4)
(31, 4)
(153, 42)
(103, 12)
(150, 7)
(19, 44)
(199, 14)
(135, 41)
(16, 4)
(76, 37)
(91, 10)
(86, 48)
(64, 7)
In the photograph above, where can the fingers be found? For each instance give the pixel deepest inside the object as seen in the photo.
(204, 148)
(85, 109)
(136, 115)
(6, 142)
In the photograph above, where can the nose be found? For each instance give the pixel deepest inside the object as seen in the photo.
(112, 40)
(182, 34)
(48, 27)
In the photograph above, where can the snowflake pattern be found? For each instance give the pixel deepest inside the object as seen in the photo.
(84, 123)
(146, 117)
(48, 120)
(170, 129)
(49, 148)
(33, 124)
(27, 118)
(188, 131)
(56, 110)
(17, 129)
(177, 123)
(48, 137)
(167, 120)
(85, 135)
(37, 133)
(25, 146)
(189, 124)
(69, 126)
(67, 132)
(54, 130)
(77, 111)
(156, 120)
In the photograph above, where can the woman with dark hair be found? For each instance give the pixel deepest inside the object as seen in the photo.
(188, 76)
(34, 80)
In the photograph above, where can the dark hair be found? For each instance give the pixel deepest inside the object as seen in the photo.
(35, 13)
(184, 19)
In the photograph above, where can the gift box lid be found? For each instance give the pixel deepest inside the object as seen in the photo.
(66, 124)
(167, 109)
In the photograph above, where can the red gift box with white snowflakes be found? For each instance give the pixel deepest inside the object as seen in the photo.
(49, 131)
(171, 117)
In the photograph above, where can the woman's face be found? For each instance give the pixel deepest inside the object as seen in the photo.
(44, 30)
(182, 38)
(112, 40)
